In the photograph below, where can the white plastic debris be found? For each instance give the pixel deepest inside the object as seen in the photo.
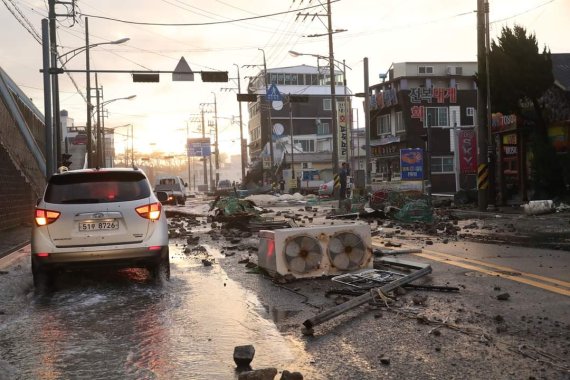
(539, 207)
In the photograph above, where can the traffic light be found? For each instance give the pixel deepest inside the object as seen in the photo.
(65, 160)
(146, 77)
(214, 76)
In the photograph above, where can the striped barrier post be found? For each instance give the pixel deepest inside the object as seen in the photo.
(483, 176)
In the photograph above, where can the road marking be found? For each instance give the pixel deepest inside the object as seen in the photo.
(558, 286)
(520, 279)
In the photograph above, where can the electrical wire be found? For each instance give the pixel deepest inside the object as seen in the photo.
(21, 21)
(200, 24)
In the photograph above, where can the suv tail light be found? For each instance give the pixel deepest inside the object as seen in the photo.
(150, 211)
(45, 217)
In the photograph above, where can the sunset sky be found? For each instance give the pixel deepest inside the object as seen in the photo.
(384, 31)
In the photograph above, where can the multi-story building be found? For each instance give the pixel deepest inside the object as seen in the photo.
(306, 125)
(415, 97)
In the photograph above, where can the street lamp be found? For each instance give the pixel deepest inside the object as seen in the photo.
(81, 49)
(100, 130)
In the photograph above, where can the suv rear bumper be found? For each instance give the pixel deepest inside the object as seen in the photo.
(124, 257)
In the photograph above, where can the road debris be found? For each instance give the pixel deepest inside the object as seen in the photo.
(243, 355)
(421, 270)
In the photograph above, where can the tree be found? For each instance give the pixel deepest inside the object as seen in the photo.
(520, 75)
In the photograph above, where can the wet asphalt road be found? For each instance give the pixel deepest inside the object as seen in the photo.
(119, 325)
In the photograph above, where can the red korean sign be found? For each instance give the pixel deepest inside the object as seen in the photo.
(467, 148)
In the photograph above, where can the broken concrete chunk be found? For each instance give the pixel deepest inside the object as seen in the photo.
(286, 375)
(206, 262)
(243, 355)
(259, 374)
(503, 296)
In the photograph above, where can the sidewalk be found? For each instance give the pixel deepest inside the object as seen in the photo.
(14, 238)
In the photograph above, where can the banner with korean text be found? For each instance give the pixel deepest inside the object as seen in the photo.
(343, 130)
(467, 146)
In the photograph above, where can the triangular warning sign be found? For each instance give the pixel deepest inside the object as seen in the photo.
(182, 72)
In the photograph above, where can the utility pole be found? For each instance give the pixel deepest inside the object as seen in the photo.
(292, 140)
(492, 153)
(188, 156)
(98, 126)
(56, 127)
(368, 167)
(47, 100)
(428, 158)
(203, 156)
(241, 142)
(89, 106)
(216, 142)
(482, 132)
(333, 91)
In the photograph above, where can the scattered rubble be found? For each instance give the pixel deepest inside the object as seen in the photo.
(243, 355)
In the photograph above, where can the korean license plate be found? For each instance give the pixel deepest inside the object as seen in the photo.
(99, 226)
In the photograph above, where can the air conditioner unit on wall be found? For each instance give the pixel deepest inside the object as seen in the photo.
(450, 70)
(315, 251)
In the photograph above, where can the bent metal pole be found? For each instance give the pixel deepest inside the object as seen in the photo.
(423, 269)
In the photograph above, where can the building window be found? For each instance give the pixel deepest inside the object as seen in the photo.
(307, 145)
(327, 104)
(256, 134)
(273, 78)
(281, 78)
(383, 125)
(425, 70)
(400, 127)
(323, 129)
(437, 117)
(442, 165)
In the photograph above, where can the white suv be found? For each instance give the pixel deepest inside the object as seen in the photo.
(99, 217)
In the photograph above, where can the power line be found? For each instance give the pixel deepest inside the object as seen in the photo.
(204, 23)
(23, 21)
(522, 13)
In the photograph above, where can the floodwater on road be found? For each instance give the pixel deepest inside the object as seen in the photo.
(118, 325)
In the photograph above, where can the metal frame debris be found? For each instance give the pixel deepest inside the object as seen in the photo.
(421, 270)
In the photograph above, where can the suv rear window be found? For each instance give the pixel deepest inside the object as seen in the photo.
(97, 187)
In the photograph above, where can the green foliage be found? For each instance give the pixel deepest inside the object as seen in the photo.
(519, 72)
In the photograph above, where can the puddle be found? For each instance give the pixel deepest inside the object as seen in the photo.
(121, 326)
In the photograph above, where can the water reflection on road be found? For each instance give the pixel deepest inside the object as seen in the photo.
(117, 325)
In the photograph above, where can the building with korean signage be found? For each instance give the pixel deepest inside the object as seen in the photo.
(420, 100)
(304, 122)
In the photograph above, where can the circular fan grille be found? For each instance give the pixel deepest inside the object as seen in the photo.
(303, 254)
(346, 251)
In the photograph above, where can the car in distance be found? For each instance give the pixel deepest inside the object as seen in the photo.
(79, 139)
(224, 187)
(98, 217)
(175, 189)
(326, 189)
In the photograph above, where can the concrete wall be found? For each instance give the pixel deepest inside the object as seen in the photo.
(17, 200)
